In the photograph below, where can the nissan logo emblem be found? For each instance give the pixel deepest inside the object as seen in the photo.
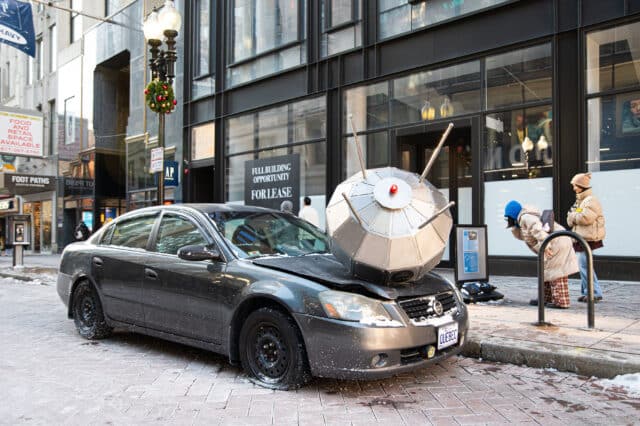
(437, 308)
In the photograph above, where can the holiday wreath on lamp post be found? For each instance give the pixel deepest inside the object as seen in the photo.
(159, 96)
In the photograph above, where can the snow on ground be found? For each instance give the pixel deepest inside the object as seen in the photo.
(629, 382)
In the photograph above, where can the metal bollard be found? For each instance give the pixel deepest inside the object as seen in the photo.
(587, 249)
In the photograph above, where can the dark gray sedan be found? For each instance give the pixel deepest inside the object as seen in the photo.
(260, 287)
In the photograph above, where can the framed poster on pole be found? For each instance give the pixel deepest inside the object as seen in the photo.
(472, 266)
(471, 253)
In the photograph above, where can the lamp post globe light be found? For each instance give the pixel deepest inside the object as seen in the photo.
(159, 93)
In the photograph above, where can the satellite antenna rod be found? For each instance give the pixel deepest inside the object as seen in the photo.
(359, 147)
(436, 152)
(438, 213)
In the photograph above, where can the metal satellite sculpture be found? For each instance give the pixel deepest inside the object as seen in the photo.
(388, 224)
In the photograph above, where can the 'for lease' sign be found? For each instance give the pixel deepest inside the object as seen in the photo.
(21, 133)
(270, 181)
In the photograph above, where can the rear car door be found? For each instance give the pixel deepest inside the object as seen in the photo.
(118, 267)
(181, 296)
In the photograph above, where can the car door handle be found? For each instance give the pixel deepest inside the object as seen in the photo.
(97, 261)
(150, 273)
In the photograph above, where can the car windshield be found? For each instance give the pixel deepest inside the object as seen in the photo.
(255, 234)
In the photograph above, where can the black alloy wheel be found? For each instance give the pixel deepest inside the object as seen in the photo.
(272, 351)
(87, 312)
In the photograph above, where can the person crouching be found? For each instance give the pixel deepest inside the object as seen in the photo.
(559, 258)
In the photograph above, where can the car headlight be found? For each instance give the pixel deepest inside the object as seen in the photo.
(354, 307)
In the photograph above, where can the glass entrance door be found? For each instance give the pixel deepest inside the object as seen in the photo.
(451, 172)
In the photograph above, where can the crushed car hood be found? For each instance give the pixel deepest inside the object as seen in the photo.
(327, 270)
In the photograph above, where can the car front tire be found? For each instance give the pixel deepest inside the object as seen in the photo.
(272, 351)
(87, 313)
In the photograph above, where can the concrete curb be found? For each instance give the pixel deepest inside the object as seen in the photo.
(23, 277)
(579, 360)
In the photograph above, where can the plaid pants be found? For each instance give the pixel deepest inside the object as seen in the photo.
(557, 292)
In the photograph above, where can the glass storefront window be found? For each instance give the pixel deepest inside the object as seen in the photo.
(613, 58)
(519, 76)
(435, 94)
(203, 141)
(240, 134)
(375, 148)
(613, 129)
(272, 127)
(313, 164)
(518, 144)
(309, 120)
(369, 106)
(275, 130)
(296, 122)
(398, 16)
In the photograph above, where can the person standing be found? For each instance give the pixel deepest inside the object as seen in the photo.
(308, 213)
(559, 257)
(82, 231)
(586, 219)
(286, 207)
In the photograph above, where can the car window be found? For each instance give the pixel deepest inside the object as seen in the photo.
(106, 236)
(253, 234)
(176, 232)
(133, 233)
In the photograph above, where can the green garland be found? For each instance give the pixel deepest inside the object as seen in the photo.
(159, 96)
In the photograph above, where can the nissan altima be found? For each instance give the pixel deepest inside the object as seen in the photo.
(260, 287)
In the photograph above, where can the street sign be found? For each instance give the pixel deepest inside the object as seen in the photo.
(171, 173)
(157, 160)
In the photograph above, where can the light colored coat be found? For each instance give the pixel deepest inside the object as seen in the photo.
(563, 261)
(585, 217)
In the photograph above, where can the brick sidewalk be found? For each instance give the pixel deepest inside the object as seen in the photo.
(52, 376)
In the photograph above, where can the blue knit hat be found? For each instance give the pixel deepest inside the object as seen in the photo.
(512, 209)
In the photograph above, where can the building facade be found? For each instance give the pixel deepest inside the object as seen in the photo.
(538, 90)
(87, 81)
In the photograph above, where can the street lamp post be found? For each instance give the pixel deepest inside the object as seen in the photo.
(159, 92)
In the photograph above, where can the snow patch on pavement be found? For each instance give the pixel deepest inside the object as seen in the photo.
(629, 382)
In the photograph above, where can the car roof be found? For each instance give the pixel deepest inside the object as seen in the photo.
(206, 208)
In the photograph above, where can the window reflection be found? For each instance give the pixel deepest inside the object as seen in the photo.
(262, 26)
(369, 107)
(440, 93)
(273, 132)
(398, 16)
(518, 144)
(519, 76)
(341, 24)
(614, 132)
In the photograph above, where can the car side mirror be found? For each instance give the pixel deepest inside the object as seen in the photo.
(199, 252)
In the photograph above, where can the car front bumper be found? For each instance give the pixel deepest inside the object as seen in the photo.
(349, 350)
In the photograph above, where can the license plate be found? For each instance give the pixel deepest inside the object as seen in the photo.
(447, 335)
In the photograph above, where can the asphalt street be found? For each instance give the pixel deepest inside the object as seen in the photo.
(50, 375)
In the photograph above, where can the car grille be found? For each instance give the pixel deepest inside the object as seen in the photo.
(421, 307)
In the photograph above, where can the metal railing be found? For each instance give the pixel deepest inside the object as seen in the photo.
(587, 249)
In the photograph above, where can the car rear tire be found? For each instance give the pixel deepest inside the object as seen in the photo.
(272, 351)
(87, 313)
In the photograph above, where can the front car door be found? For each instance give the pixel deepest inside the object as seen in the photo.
(181, 296)
(118, 267)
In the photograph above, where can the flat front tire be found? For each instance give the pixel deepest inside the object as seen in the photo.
(272, 351)
(87, 312)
